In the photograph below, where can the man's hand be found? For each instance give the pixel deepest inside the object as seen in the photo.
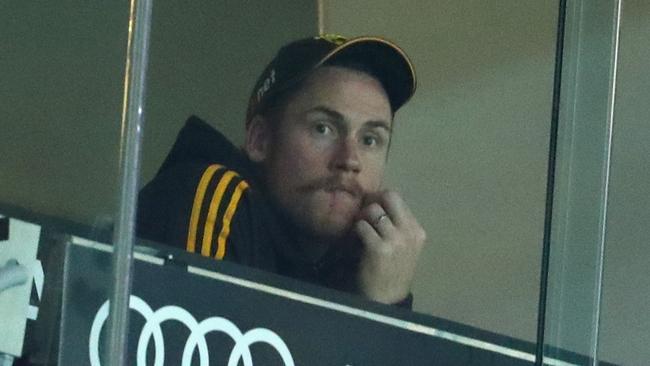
(392, 239)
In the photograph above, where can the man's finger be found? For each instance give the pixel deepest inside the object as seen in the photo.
(396, 207)
(383, 225)
(377, 217)
(368, 235)
(371, 212)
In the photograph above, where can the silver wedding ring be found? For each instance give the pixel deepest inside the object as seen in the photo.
(378, 220)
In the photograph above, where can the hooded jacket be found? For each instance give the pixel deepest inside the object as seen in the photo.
(208, 198)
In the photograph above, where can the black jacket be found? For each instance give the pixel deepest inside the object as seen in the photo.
(207, 198)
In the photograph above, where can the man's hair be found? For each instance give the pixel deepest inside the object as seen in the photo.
(275, 105)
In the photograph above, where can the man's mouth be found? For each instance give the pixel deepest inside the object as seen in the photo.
(343, 189)
(333, 185)
(342, 196)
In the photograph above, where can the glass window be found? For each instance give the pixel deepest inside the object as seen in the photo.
(61, 96)
(468, 155)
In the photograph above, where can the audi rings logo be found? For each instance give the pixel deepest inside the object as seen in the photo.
(196, 339)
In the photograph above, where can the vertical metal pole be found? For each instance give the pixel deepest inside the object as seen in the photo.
(572, 270)
(550, 184)
(132, 122)
(600, 263)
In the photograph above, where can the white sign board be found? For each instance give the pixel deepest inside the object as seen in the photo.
(22, 246)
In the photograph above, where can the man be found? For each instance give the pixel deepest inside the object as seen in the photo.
(304, 197)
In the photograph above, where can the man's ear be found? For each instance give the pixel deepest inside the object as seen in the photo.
(258, 139)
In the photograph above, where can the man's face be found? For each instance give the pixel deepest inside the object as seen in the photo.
(328, 149)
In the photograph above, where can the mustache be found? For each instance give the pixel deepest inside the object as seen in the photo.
(335, 184)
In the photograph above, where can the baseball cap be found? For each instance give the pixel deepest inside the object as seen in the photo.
(295, 61)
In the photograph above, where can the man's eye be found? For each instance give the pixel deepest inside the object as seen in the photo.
(323, 129)
(371, 141)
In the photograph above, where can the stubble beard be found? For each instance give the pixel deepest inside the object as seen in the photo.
(309, 210)
(334, 206)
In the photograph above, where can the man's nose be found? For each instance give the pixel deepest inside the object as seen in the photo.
(347, 156)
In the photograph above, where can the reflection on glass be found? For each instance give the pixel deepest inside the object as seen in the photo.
(581, 196)
(63, 66)
(458, 190)
(467, 154)
(624, 331)
(303, 198)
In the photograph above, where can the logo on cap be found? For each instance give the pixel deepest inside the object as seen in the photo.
(333, 38)
(266, 85)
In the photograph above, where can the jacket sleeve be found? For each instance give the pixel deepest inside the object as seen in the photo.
(207, 209)
(214, 203)
(225, 222)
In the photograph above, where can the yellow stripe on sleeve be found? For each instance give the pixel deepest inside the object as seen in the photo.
(196, 207)
(227, 218)
(212, 213)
